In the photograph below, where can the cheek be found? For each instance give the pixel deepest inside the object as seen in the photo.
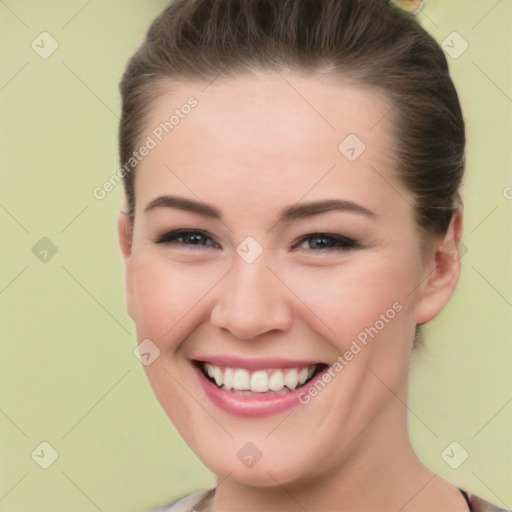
(164, 294)
(351, 298)
(369, 307)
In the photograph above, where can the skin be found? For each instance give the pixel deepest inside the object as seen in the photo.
(253, 146)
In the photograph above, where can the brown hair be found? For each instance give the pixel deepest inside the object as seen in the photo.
(366, 40)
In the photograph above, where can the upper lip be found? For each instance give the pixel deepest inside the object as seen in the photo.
(255, 364)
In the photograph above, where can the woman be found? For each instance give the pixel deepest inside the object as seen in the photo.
(292, 171)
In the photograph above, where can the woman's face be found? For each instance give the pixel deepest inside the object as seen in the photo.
(297, 258)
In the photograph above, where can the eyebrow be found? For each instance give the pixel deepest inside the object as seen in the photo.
(288, 214)
(305, 210)
(183, 203)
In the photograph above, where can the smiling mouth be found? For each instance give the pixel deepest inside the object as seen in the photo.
(268, 381)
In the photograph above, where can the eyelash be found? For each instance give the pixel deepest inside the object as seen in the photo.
(343, 243)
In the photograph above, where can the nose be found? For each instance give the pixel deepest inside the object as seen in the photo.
(252, 301)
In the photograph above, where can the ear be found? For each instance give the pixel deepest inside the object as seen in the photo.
(125, 234)
(442, 270)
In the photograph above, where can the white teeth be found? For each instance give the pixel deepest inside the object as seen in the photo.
(241, 380)
(209, 369)
(276, 382)
(303, 375)
(291, 379)
(228, 378)
(259, 381)
(218, 375)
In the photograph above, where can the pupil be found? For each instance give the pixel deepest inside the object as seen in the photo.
(320, 242)
(195, 238)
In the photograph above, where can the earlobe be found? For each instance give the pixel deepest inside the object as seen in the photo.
(441, 273)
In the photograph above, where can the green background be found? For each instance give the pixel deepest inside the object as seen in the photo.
(68, 373)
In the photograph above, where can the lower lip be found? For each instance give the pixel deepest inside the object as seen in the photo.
(249, 406)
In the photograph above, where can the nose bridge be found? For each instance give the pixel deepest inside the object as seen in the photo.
(251, 301)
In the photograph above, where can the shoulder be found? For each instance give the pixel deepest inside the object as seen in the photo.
(191, 502)
(198, 500)
(477, 504)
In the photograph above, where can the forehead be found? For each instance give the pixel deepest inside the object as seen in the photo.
(273, 132)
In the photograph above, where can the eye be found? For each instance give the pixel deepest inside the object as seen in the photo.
(183, 237)
(326, 242)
